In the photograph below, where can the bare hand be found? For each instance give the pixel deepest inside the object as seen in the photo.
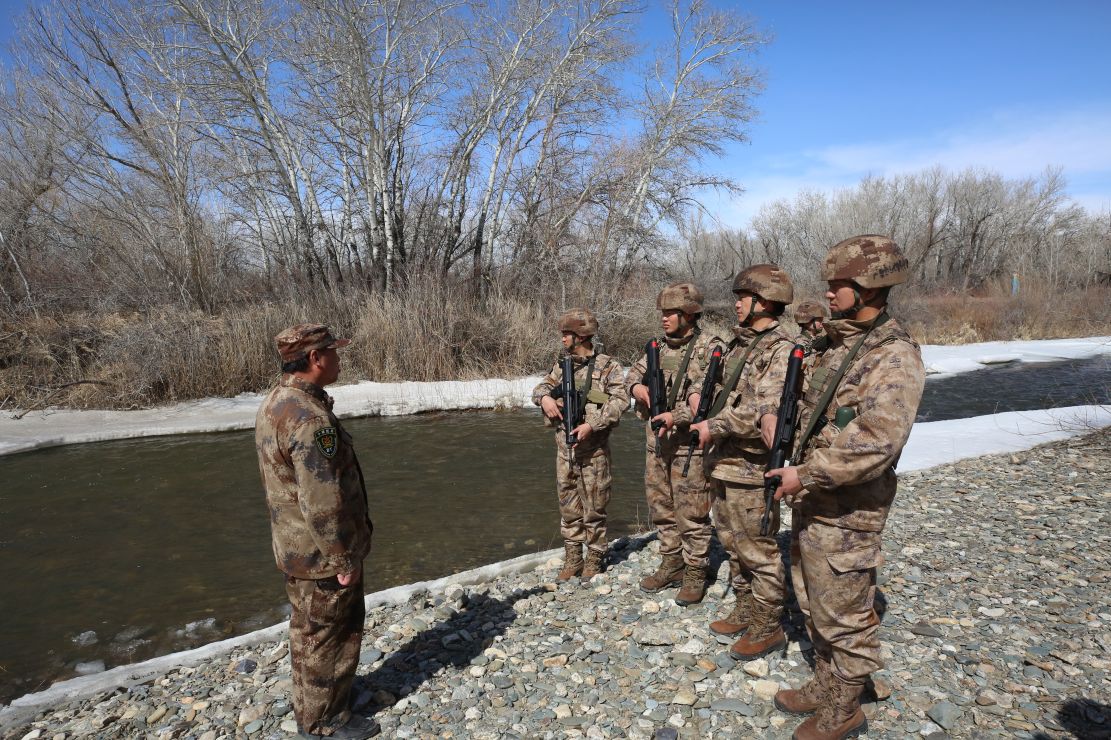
(703, 430)
(346, 579)
(767, 429)
(582, 432)
(789, 483)
(550, 408)
(667, 419)
(640, 393)
(693, 401)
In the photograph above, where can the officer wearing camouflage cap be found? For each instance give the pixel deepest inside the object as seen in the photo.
(583, 477)
(320, 530)
(741, 426)
(679, 507)
(859, 402)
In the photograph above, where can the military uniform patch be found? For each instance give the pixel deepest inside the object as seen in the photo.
(327, 441)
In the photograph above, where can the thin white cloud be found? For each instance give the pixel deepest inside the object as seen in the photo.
(1010, 144)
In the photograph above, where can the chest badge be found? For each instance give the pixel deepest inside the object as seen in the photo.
(327, 441)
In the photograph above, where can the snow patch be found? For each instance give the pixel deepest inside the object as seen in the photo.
(60, 427)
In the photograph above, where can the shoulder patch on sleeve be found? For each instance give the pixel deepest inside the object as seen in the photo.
(327, 441)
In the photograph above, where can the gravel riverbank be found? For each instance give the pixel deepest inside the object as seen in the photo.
(996, 623)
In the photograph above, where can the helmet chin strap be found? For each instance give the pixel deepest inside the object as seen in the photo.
(753, 314)
(851, 311)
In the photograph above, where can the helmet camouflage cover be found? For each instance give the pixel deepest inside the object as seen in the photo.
(770, 282)
(810, 310)
(685, 297)
(579, 321)
(869, 260)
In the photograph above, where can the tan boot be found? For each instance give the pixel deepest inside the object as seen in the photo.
(807, 698)
(595, 564)
(838, 716)
(764, 635)
(572, 561)
(670, 573)
(738, 619)
(694, 586)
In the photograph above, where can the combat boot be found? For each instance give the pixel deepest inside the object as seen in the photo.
(572, 561)
(807, 698)
(670, 573)
(356, 728)
(595, 564)
(839, 715)
(694, 586)
(765, 633)
(738, 619)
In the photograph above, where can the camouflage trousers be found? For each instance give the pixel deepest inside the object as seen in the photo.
(325, 634)
(583, 485)
(834, 575)
(754, 561)
(679, 507)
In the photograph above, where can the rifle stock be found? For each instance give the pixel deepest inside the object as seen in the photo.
(654, 380)
(705, 401)
(786, 422)
(572, 406)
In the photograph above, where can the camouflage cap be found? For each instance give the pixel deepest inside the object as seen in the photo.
(810, 310)
(579, 321)
(770, 282)
(297, 341)
(869, 260)
(685, 297)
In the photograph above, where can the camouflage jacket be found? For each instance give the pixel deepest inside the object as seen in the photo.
(671, 358)
(604, 405)
(849, 473)
(738, 454)
(314, 486)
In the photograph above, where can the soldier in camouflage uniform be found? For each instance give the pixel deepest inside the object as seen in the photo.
(741, 426)
(811, 317)
(320, 530)
(583, 478)
(679, 507)
(862, 393)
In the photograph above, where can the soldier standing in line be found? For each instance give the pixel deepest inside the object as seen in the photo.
(741, 425)
(679, 506)
(811, 317)
(320, 530)
(583, 477)
(859, 403)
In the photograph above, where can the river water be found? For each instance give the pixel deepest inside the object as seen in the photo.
(119, 551)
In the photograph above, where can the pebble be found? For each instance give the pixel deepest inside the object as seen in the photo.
(995, 609)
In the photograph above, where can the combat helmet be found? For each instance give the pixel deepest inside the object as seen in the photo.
(810, 310)
(770, 282)
(869, 260)
(685, 297)
(579, 321)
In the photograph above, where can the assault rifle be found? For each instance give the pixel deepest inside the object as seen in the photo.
(705, 400)
(654, 380)
(785, 423)
(572, 404)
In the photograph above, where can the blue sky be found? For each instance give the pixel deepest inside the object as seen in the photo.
(888, 87)
(869, 87)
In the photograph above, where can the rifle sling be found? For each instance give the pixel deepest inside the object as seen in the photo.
(734, 377)
(681, 373)
(831, 386)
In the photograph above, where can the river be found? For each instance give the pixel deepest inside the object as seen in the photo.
(119, 551)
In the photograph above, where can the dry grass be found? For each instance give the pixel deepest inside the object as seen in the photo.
(427, 332)
(1038, 312)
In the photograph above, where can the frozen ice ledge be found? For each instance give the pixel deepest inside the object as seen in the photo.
(60, 427)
